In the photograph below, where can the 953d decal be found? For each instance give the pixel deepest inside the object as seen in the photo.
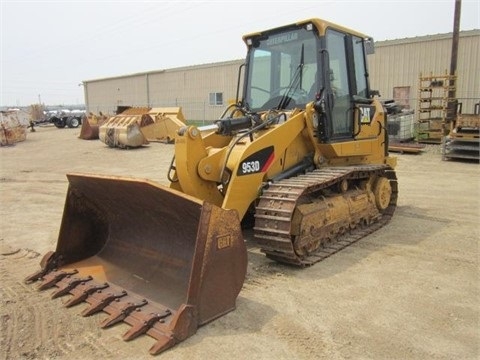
(258, 162)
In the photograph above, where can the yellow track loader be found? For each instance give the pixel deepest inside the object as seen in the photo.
(301, 156)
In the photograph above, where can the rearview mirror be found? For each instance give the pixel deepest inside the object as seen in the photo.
(369, 46)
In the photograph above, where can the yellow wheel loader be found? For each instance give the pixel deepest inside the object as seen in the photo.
(301, 156)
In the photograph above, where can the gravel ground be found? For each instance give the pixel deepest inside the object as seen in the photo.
(408, 291)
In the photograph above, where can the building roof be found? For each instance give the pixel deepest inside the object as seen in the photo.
(426, 38)
(182, 68)
(416, 39)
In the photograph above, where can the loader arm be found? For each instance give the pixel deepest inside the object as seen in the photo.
(233, 176)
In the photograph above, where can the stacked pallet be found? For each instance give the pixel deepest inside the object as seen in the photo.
(463, 141)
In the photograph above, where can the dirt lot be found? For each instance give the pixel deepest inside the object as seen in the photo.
(408, 291)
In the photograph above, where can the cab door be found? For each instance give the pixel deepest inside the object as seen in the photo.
(352, 111)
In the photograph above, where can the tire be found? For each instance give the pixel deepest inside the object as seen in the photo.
(73, 122)
(59, 123)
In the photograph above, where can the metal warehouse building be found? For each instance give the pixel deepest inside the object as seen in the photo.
(203, 90)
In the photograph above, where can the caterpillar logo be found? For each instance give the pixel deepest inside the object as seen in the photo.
(366, 114)
(282, 39)
(224, 241)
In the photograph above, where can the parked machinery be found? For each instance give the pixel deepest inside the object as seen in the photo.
(463, 141)
(90, 127)
(70, 119)
(136, 126)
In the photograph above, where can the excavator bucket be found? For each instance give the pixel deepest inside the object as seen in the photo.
(159, 260)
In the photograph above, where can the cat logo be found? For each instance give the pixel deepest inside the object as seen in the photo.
(224, 241)
(366, 114)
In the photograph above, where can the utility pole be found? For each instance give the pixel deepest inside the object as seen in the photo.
(456, 30)
(453, 61)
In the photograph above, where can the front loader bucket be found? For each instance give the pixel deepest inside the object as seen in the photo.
(157, 259)
(88, 131)
(124, 131)
(90, 126)
(167, 121)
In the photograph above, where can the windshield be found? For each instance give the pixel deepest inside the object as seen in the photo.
(282, 70)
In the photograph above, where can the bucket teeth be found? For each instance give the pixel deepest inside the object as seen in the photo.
(163, 343)
(48, 263)
(100, 300)
(80, 293)
(35, 276)
(68, 284)
(121, 312)
(145, 322)
(54, 277)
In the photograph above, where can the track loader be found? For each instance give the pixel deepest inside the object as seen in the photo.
(301, 156)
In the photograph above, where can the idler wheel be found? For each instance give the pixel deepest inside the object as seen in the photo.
(383, 192)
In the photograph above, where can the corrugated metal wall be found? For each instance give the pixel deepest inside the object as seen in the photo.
(190, 88)
(187, 87)
(106, 94)
(397, 64)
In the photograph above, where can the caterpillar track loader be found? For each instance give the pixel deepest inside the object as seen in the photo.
(301, 157)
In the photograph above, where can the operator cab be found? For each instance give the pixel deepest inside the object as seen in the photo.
(292, 66)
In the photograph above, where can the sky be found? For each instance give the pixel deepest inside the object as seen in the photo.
(48, 48)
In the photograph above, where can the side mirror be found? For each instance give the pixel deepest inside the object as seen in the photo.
(369, 46)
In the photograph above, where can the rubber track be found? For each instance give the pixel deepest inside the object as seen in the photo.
(278, 202)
